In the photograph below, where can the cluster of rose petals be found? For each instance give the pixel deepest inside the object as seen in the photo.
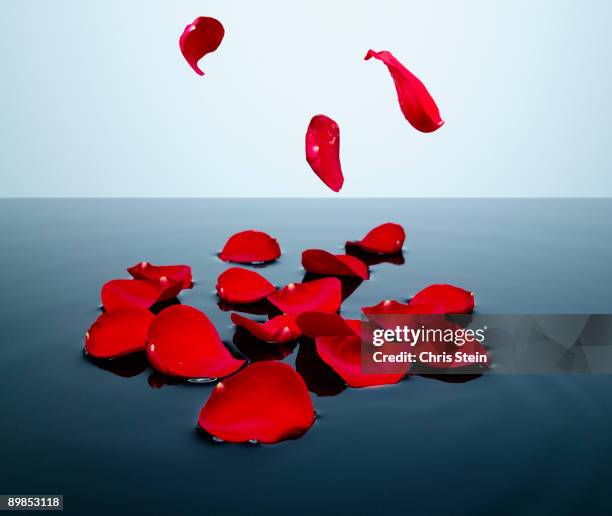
(250, 246)
(318, 261)
(267, 402)
(202, 36)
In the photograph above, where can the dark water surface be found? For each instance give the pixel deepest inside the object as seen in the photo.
(123, 441)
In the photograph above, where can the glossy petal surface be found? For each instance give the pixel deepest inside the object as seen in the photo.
(238, 285)
(174, 273)
(119, 332)
(183, 342)
(324, 295)
(417, 105)
(278, 330)
(124, 293)
(387, 238)
(199, 38)
(389, 313)
(448, 298)
(323, 151)
(250, 247)
(323, 324)
(318, 261)
(267, 402)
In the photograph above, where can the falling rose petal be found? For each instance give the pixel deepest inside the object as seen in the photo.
(174, 273)
(202, 36)
(323, 151)
(250, 247)
(417, 105)
(124, 293)
(318, 261)
(278, 330)
(238, 285)
(343, 354)
(387, 238)
(324, 295)
(183, 342)
(257, 350)
(320, 379)
(267, 402)
(448, 298)
(119, 332)
(323, 324)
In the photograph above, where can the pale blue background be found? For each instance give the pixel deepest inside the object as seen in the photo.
(96, 99)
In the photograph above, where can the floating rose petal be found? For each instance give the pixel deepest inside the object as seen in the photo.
(278, 330)
(448, 298)
(318, 261)
(119, 332)
(323, 151)
(320, 379)
(389, 313)
(324, 295)
(417, 105)
(348, 283)
(124, 293)
(371, 259)
(238, 285)
(257, 350)
(250, 247)
(387, 238)
(183, 342)
(199, 38)
(323, 324)
(267, 402)
(343, 354)
(172, 273)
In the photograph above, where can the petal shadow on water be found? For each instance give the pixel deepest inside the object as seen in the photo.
(320, 379)
(257, 350)
(263, 307)
(158, 307)
(127, 366)
(371, 259)
(158, 380)
(349, 284)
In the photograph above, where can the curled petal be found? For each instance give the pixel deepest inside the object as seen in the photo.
(202, 36)
(324, 295)
(238, 285)
(162, 273)
(323, 324)
(124, 293)
(318, 261)
(267, 402)
(417, 105)
(117, 333)
(447, 298)
(323, 151)
(250, 247)
(278, 330)
(183, 342)
(343, 354)
(387, 238)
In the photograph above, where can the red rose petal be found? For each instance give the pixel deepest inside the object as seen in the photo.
(318, 261)
(250, 247)
(324, 295)
(124, 293)
(387, 238)
(448, 298)
(323, 324)
(238, 285)
(343, 354)
(417, 105)
(199, 38)
(267, 402)
(323, 151)
(183, 342)
(278, 330)
(390, 313)
(174, 273)
(117, 333)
